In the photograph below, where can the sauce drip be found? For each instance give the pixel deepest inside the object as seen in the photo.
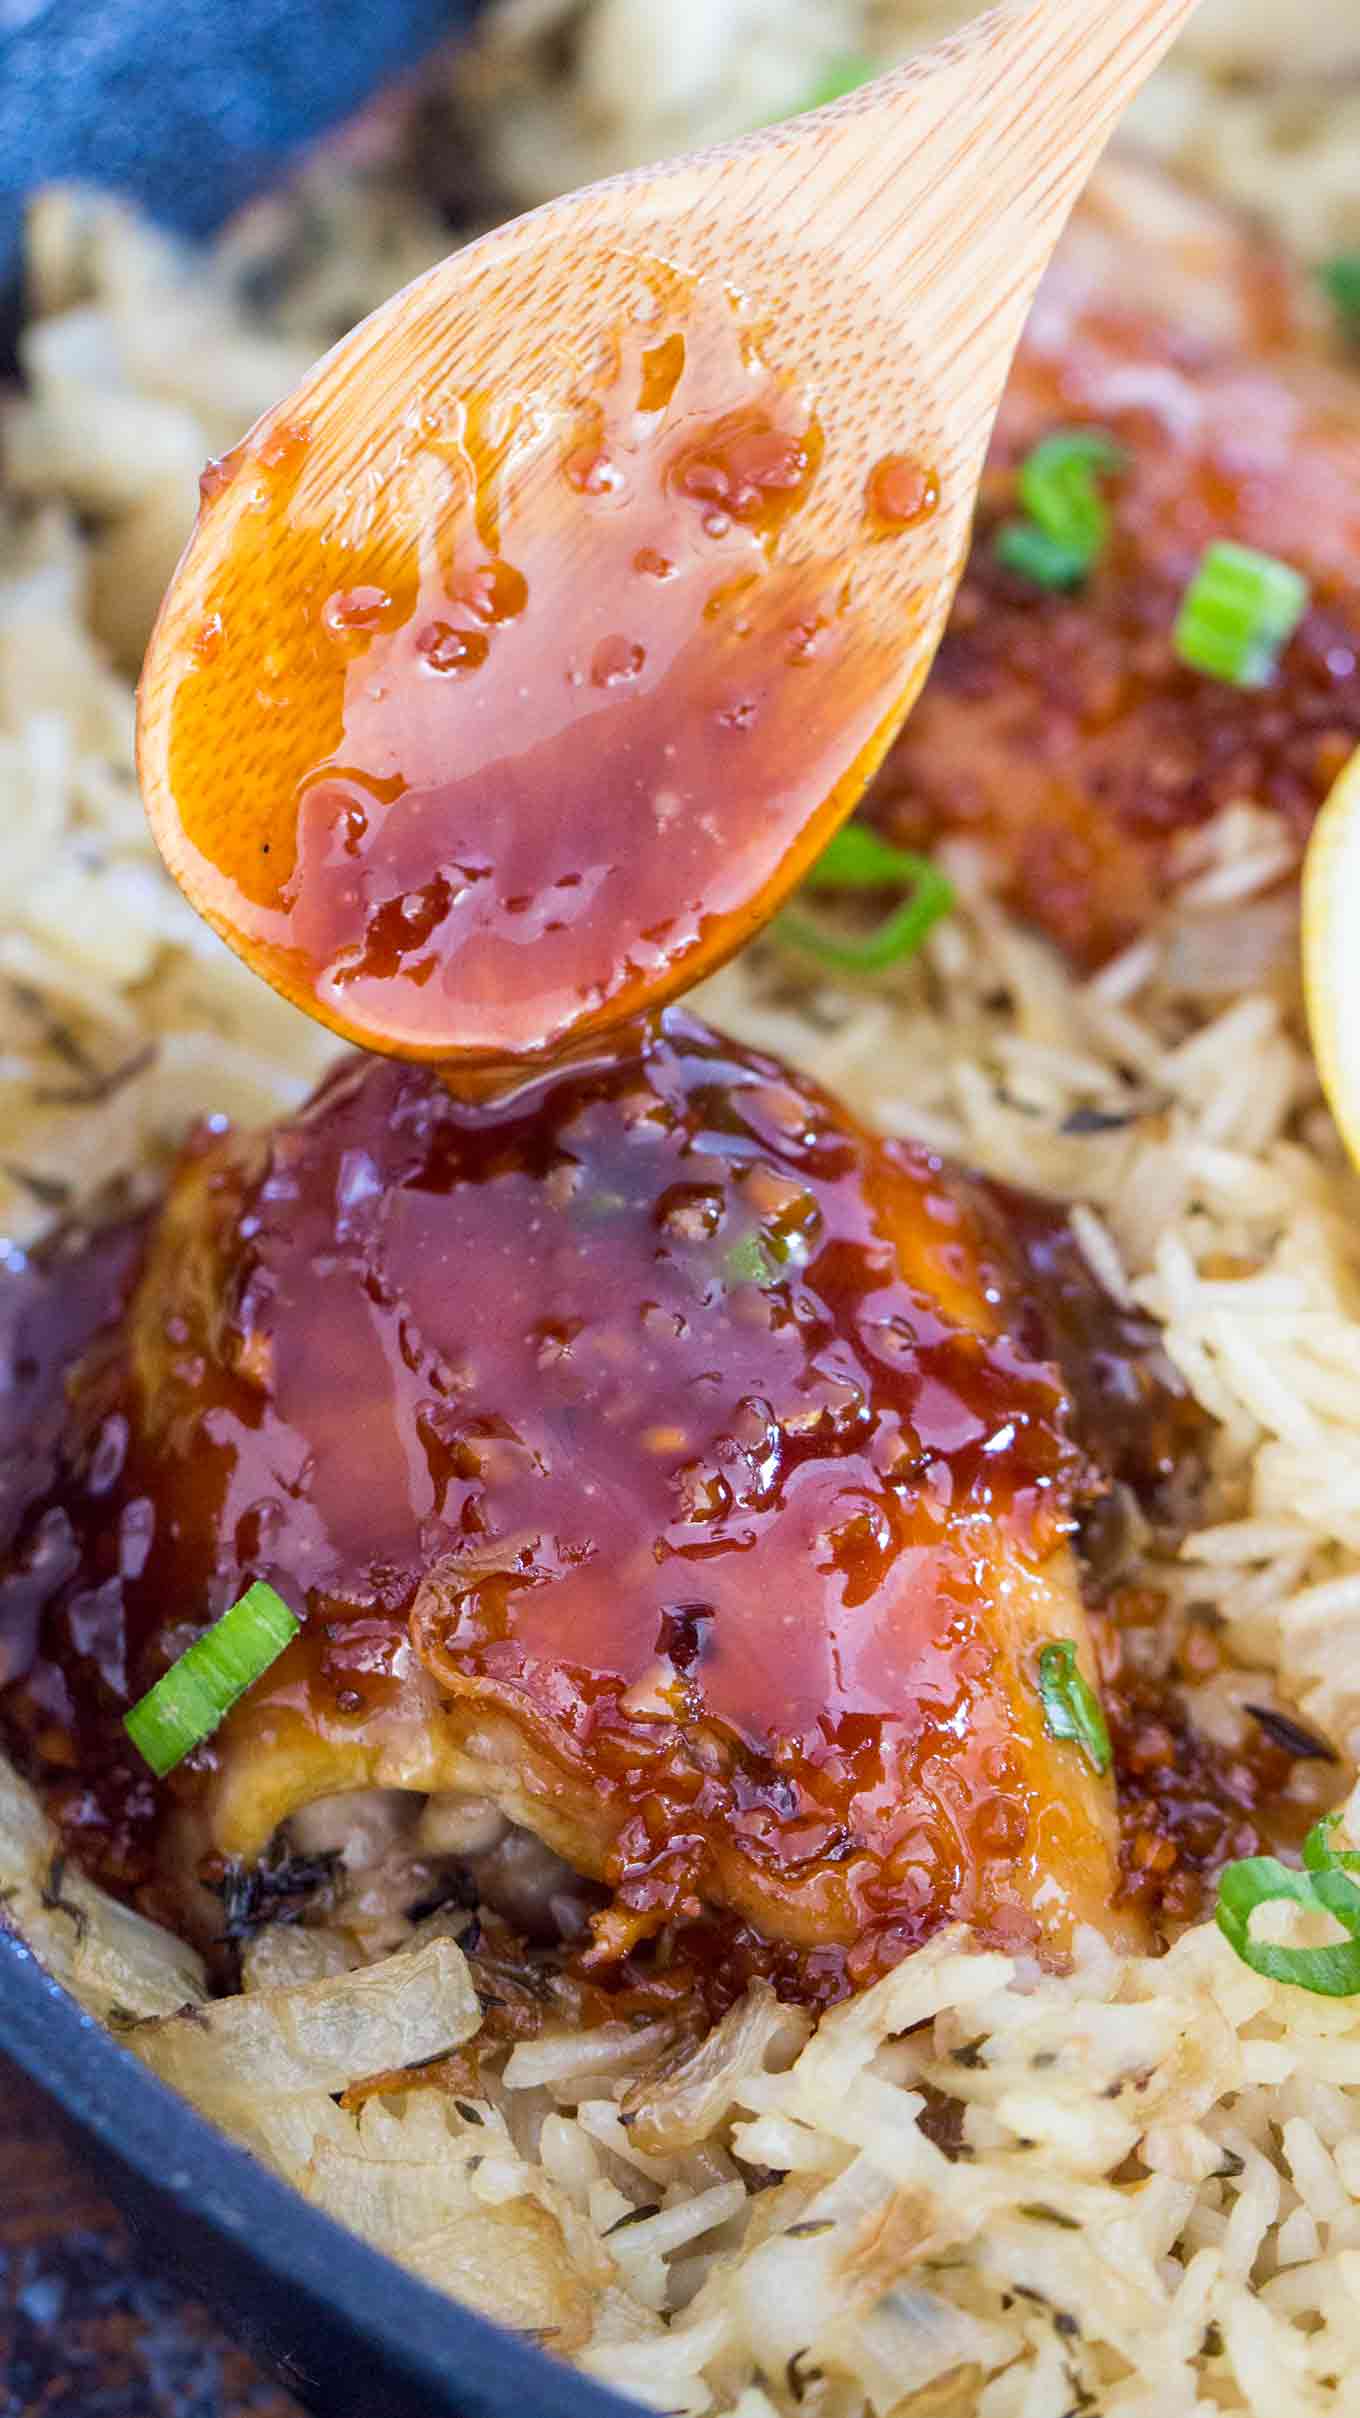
(533, 728)
(901, 493)
(671, 1418)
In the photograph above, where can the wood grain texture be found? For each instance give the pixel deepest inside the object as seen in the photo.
(889, 244)
(86, 2329)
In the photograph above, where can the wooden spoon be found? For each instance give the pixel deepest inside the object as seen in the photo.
(523, 659)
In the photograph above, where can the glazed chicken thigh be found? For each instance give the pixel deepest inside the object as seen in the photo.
(1059, 731)
(649, 1451)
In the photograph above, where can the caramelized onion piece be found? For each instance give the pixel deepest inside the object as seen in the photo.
(317, 2035)
(689, 2101)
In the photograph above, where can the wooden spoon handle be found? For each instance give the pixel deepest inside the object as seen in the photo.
(948, 182)
(996, 130)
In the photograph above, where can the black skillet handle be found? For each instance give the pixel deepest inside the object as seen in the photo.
(190, 108)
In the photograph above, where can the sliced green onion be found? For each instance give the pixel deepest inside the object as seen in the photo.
(192, 1698)
(857, 859)
(1319, 1854)
(1339, 278)
(751, 1261)
(845, 73)
(1071, 1706)
(842, 74)
(1323, 1887)
(1019, 546)
(1067, 520)
(1240, 608)
(1057, 485)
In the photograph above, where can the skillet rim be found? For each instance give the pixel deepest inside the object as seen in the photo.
(342, 2324)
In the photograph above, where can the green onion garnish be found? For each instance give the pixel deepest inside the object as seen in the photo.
(751, 1261)
(1020, 546)
(845, 73)
(1319, 1854)
(1057, 485)
(1339, 278)
(1067, 520)
(1240, 608)
(192, 1698)
(842, 74)
(1071, 1706)
(1323, 1887)
(857, 859)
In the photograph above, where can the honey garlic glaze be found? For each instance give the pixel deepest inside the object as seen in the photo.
(535, 720)
(648, 1448)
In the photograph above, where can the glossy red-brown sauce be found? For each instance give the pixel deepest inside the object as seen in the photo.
(1133, 1412)
(526, 748)
(617, 1393)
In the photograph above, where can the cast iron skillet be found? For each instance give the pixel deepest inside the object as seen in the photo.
(191, 111)
(348, 2331)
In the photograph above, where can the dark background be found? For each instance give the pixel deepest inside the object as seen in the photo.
(189, 107)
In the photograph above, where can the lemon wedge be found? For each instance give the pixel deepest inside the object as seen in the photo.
(1331, 950)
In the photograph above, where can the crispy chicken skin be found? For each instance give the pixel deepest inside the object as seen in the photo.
(1060, 730)
(651, 1452)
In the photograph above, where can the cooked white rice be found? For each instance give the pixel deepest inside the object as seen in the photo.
(1133, 2191)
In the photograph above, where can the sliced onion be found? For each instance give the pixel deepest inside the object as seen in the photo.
(121, 1967)
(318, 2035)
(692, 2098)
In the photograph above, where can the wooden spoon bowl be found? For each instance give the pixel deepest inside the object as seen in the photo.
(522, 660)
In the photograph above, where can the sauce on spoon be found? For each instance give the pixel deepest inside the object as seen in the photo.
(524, 659)
(542, 738)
